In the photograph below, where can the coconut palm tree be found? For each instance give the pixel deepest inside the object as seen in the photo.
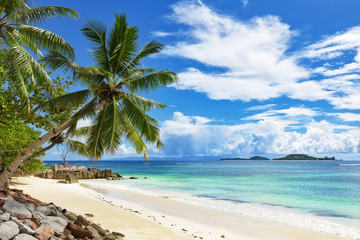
(110, 97)
(18, 35)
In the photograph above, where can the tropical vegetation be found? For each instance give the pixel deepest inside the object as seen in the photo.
(110, 96)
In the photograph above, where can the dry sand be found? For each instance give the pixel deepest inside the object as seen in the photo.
(142, 217)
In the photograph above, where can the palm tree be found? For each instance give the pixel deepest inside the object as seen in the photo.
(110, 97)
(18, 33)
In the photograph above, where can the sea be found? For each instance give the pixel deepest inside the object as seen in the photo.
(329, 190)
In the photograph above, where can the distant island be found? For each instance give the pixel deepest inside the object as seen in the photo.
(299, 157)
(305, 157)
(252, 158)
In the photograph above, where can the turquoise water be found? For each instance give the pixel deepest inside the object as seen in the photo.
(323, 188)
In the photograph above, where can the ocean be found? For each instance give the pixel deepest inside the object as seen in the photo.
(328, 189)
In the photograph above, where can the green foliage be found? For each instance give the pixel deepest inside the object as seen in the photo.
(14, 137)
(33, 166)
(17, 36)
(113, 85)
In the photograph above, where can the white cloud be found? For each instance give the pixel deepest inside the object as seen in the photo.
(260, 107)
(161, 34)
(252, 54)
(348, 117)
(184, 135)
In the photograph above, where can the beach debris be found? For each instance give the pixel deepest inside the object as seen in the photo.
(25, 218)
(89, 214)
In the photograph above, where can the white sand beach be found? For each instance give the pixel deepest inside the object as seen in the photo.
(144, 217)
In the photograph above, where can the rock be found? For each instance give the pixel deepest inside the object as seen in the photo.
(29, 223)
(15, 208)
(71, 216)
(77, 231)
(89, 214)
(45, 231)
(2, 201)
(133, 178)
(110, 237)
(71, 178)
(46, 210)
(95, 233)
(55, 238)
(118, 235)
(30, 206)
(82, 221)
(8, 230)
(71, 237)
(36, 221)
(58, 224)
(24, 236)
(99, 229)
(63, 181)
(65, 233)
(5, 217)
(21, 217)
(24, 228)
(108, 172)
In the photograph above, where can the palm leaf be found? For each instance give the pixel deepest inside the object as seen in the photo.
(95, 140)
(151, 81)
(146, 125)
(112, 126)
(149, 49)
(143, 103)
(41, 14)
(95, 32)
(46, 40)
(76, 147)
(73, 100)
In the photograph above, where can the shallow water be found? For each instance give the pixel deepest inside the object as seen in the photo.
(325, 188)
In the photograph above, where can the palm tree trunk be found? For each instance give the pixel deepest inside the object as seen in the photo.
(19, 160)
(37, 154)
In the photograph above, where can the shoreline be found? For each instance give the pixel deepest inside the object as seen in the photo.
(162, 215)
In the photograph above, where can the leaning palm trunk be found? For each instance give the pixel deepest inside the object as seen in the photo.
(24, 155)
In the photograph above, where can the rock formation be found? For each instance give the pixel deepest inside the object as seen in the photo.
(60, 171)
(26, 218)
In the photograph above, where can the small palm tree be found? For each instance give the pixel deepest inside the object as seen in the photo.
(17, 35)
(110, 98)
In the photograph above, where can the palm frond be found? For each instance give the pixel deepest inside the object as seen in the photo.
(146, 125)
(81, 132)
(150, 48)
(41, 14)
(56, 60)
(143, 103)
(133, 136)
(151, 81)
(73, 100)
(45, 40)
(19, 83)
(96, 140)
(124, 52)
(88, 111)
(95, 32)
(76, 147)
(112, 128)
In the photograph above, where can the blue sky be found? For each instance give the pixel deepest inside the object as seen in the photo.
(256, 77)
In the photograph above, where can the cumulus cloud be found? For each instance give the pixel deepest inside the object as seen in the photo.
(250, 59)
(186, 135)
(251, 53)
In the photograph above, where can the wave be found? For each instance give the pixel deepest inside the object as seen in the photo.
(271, 213)
(350, 164)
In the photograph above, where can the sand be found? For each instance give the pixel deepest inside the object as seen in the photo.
(144, 217)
